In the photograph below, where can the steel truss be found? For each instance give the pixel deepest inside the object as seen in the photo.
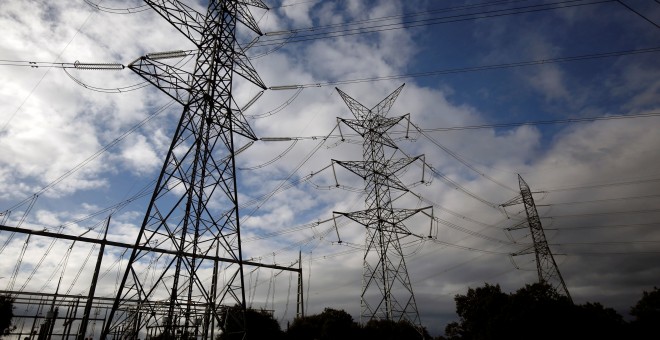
(387, 293)
(66, 316)
(194, 208)
(546, 267)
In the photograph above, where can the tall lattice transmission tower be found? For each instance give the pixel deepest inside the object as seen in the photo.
(197, 287)
(546, 266)
(387, 293)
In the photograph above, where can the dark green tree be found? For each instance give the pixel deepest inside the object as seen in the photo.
(329, 325)
(6, 314)
(481, 313)
(535, 311)
(260, 324)
(391, 330)
(646, 324)
(597, 322)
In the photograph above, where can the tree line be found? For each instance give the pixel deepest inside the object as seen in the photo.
(535, 311)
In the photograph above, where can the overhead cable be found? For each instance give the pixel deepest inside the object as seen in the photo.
(278, 157)
(500, 125)
(461, 160)
(644, 211)
(4, 126)
(121, 89)
(277, 109)
(126, 10)
(95, 155)
(390, 17)
(636, 225)
(600, 200)
(285, 182)
(452, 245)
(455, 184)
(638, 14)
(601, 185)
(544, 122)
(419, 22)
(479, 68)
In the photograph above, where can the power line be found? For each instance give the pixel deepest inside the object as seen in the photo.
(453, 213)
(544, 122)
(602, 185)
(645, 211)
(637, 225)
(604, 243)
(452, 183)
(125, 10)
(611, 253)
(498, 125)
(461, 160)
(418, 23)
(390, 17)
(475, 68)
(600, 200)
(295, 4)
(638, 14)
(4, 126)
(452, 245)
(95, 155)
(121, 89)
(285, 184)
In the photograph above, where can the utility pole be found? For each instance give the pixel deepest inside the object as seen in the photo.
(92, 287)
(300, 299)
(387, 293)
(546, 267)
(194, 207)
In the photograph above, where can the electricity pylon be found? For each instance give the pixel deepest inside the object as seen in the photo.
(546, 266)
(384, 270)
(198, 286)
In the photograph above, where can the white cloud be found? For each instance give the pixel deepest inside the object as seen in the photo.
(140, 155)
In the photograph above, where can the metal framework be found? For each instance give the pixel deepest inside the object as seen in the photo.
(387, 293)
(546, 266)
(65, 316)
(194, 207)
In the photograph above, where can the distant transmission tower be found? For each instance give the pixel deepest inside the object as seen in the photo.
(546, 266)
(387, 293)
(198, 285)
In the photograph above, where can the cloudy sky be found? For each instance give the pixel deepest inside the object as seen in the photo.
(89, 140)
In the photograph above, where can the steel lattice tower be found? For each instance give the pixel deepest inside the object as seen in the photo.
(546, 266)
(194, 207)
(387, 293)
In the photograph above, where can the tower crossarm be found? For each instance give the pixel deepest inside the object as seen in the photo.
(192, 23)
(244, 68)
(390, 220)
(395, 166)
(171, 80)
(362, 113)
(184, 18)
(385, 172)
(245, 17)
(375, 128)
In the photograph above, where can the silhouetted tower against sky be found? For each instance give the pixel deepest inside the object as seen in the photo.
(194, 208)
(387, 293)
(546, 266)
